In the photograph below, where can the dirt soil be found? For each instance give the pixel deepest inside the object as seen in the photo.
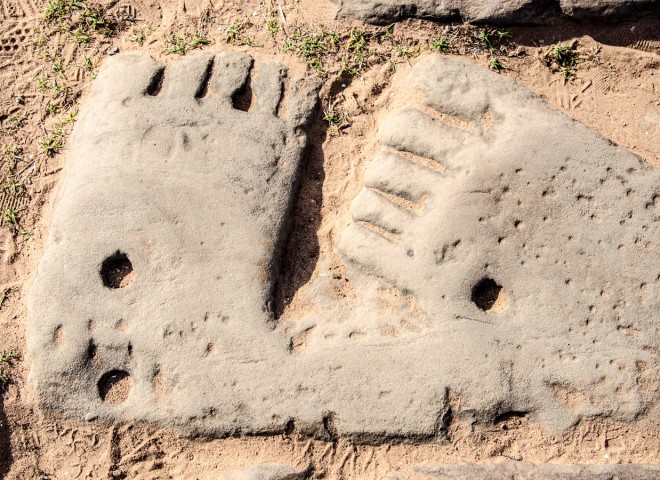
(45, 72)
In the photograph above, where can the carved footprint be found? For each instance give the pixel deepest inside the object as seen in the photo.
(493, 210)
(181, 178)
(523, 236)
(511, 193)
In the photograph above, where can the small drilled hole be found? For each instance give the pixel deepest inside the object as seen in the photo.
(117, 271)
(115, 387)
(487, 294)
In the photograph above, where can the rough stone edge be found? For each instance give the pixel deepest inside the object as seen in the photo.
(539, 12)
(529, 471)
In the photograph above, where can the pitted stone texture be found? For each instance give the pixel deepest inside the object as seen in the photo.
(482, 186)
(528, 471)
(196, 193)
(490, 11)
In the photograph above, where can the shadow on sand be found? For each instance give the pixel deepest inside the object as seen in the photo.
(5, 446)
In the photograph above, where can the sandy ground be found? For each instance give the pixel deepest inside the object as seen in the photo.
(44, 74)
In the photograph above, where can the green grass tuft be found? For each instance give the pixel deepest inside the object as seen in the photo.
(562, 58)
(181, 45)
(7, 358)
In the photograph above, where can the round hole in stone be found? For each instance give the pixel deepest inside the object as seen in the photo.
(117, 271)
(115, 386)
(488, 295)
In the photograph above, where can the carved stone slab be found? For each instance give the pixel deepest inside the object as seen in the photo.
(524, 244)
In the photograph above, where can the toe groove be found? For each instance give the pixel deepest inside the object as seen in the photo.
(429, 163)
(243, 99)
(378, 230)
(400, 201)
(206, 80)
(156, 83)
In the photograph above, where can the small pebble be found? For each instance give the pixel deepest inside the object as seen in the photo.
(112, 50)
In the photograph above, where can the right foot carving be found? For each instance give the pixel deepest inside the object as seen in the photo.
(483, 182)
(504, 218)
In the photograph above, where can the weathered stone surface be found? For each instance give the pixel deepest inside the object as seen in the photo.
(494, 471)
(478, 179)
(583, 9)
(266, 472)
(167, 170)
(528, 471)
(490, 11)
(517, 231)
